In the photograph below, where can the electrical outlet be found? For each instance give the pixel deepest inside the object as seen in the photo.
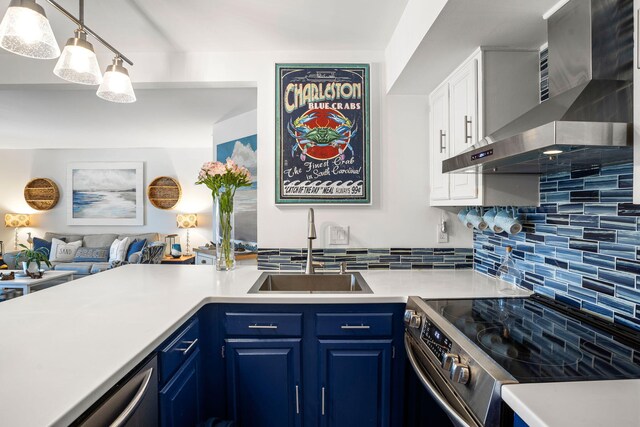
(443, 235)
(338, 235)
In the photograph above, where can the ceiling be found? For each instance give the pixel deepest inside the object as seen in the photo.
(463, 26)
(234, 25)
(69, 116)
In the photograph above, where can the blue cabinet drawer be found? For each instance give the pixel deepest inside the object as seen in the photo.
(354, 324)
(173, 354)
(263, 324)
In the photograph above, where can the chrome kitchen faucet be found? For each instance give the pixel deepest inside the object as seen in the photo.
(311, 235)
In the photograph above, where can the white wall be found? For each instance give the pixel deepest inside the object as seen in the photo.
(19, 166)
(398, 216)
(415, 22)
(234, 128)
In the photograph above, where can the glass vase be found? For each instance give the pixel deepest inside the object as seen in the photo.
(225, 231)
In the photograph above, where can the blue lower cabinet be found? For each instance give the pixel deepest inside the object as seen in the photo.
(180, 398)
(264, 382)
(355, 382)
(519, 422)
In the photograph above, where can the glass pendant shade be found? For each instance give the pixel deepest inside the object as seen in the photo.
(116, 84)
(25, 30)
(78, 62)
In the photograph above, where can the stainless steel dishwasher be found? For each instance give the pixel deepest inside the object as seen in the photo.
(133, 402)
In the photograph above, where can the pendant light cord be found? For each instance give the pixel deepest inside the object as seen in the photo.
(80, 22)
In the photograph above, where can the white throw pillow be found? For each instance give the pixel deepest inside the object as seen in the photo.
(118, 250)
(62, 251)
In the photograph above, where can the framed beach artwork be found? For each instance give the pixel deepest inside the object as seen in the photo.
(105, 193)
(322, 134)
(243, 151)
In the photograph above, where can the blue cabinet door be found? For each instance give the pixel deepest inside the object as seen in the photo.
(264, 382)
(180, 398)
(355, 382)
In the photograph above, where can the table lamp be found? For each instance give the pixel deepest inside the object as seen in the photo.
(187, 221)
(13, 220)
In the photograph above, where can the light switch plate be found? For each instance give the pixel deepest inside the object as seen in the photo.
(338, 235)
(443, 236)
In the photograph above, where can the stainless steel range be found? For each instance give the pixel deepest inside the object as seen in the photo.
(463, 351)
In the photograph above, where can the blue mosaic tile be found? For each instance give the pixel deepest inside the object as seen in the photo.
(629, 237)
(602, 182)
(616, 249)
(618, 223)
(585, 172)
(293, 259)
(616, 304)
(600, 209)
(617, 277)
(628, 294)
(585, 251)
(616, 195)
(599, 260)
(584, 221)
(599, 286)
(599, 235)
(571, 184)
(570, 232)
(625, 181)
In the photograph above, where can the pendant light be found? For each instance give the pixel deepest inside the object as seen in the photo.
(78, 62)
(25, 30)
(116, 85)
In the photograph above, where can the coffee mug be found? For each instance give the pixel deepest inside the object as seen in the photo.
(474, 220)
(462, 215)
(490, 219)
(508, 221)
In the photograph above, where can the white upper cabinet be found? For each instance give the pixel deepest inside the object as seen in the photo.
(491, 88)
(439, 133)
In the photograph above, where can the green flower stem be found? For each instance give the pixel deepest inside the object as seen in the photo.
(225, 211)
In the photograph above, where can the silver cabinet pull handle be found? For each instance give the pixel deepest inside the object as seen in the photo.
(263, 326)
(322, 400)
(442, 145)
(468, 136)
(297, 400)
(191, 344)
(135, 402)
(355, 327)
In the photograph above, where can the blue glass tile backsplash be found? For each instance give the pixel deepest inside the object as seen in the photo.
(581, 246)
(368, 259)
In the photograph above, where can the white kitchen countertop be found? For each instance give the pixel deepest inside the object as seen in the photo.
(579, 403)
(64, 347)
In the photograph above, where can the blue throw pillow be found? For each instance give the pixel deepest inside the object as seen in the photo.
(41, 243)
(136, 246)
(92, 255)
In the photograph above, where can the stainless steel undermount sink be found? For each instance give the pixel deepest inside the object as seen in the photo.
(317, 283)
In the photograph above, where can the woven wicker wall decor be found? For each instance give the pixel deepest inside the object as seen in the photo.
(41, 194)
(164, 192)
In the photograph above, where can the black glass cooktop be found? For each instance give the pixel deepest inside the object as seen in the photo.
(536, 342)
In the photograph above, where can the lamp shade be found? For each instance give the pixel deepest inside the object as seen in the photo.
(14, 220)
(187, 220)
(25, 30)
(116, 84)
(78, 62)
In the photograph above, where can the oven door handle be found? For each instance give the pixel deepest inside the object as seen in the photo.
(457, 420)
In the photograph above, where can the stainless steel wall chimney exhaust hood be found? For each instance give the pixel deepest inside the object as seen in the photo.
(587, 120)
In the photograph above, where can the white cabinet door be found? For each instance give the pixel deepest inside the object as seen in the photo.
(439, 142)
(463, 125)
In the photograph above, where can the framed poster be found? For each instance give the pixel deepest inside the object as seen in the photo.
(105, 193)
(322, 134)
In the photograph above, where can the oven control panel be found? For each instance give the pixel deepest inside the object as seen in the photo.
(437, 342)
